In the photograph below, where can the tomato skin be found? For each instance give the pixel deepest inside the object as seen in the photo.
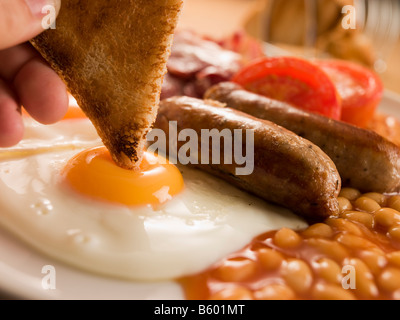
(361, 90)
(292, 80)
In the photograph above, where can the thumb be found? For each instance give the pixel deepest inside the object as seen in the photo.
(21, 20)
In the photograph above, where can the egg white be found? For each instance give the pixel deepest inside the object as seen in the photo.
(207, 221)
(66, 134)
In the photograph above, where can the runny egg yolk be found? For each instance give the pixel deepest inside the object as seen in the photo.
(93, 173)
(74, 111)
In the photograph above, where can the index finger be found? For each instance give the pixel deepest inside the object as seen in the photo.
(13, 59)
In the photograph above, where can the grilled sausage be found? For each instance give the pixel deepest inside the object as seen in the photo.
(288, 170)
(364, 159)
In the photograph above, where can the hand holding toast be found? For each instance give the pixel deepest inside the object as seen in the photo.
(25, 78)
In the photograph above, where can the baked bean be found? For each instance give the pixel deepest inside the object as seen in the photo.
(349, 193)
(394, 258)
(318, 230)
(375, 260)
(344, 204)
(394, 202)
(344, 225)
(330, 248)
(275, 292)
(365, 285)
(354, 242)
(287, 265)
(361, 217)
(378, 197)
(327, 291)
(297, 275)
(236, 270)
(366, 204)
(270, 259)
(287, 238)
(389, 279)
(233, 293)
(394, 233)
(328, 270)
(387, 217)
(377, 250)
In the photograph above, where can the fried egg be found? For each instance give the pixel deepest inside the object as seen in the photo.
(74, 132)
(61, 193)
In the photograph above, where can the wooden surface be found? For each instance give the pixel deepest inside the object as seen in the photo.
(391, 77)
(219, 18)
(216, 17)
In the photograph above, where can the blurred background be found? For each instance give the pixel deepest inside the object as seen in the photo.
(366, 31)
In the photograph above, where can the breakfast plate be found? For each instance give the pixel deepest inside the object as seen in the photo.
(26, 274)
(21, 278)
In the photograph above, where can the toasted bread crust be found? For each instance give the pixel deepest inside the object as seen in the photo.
(112, 55)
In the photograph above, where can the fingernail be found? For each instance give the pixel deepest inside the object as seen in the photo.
(38, 7)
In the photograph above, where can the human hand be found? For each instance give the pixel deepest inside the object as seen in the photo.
(25, 78)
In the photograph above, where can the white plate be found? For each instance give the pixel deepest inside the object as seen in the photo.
(21, 267)
(21, 277)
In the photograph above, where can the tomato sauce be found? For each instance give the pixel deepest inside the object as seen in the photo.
(355, 256)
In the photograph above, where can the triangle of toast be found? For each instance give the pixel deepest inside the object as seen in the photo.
(112, 56)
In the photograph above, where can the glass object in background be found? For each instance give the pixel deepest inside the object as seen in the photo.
(314, 28)
(301, 20)
(380, 21)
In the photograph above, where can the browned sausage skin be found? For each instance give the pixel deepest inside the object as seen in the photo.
(288, 170)
(364, 159)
